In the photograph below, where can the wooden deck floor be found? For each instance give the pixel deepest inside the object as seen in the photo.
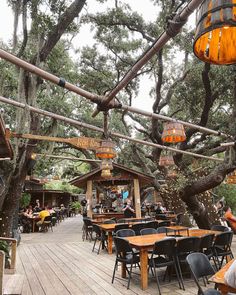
(60, 263)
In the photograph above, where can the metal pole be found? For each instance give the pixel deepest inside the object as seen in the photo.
(174, 27)
(165, 118)
(91, 127)
(52, 78)
(68, 158)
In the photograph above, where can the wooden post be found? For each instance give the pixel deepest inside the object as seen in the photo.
(13, 255)
(2, 264)
(137, 198)
(89, 194)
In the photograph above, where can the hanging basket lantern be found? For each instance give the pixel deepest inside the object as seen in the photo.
(106, 164)
(173, 132)
(106, 173)
(231, 178)
(166, 160)
(215, 38)
(106, 150)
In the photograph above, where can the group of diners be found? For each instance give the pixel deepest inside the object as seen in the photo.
(44, 217)
(151, 247)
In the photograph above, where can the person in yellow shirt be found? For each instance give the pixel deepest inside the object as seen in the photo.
(42, 215)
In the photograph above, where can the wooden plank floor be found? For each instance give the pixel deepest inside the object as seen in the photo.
(60, 263)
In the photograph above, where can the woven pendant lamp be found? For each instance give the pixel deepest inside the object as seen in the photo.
(215, 38)
(173, 132)
(106, 150)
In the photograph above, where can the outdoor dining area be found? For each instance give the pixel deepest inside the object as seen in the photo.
(148, 246)
(118, 149)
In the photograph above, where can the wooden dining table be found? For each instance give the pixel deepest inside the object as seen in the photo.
(218, 279)
(109, 229)
(146, 242)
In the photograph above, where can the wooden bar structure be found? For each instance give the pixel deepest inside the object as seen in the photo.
(121, 175)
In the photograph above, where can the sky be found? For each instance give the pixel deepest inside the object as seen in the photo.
(144, 7)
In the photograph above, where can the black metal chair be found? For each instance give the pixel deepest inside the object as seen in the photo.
(147, 231)
(120, 226)
(137, 227)
(164, 223)
(87, 229)
(220, 228)
(123, 233)
(47, 223)
(126, 255)
(163, 255)
(161, 217)
(152, 224)
(185, 247)
(222, 247)
(201, 267)
(99, 237)
(121, 220)
(161, 230)
(179, 218)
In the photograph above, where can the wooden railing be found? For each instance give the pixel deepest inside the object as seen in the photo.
(13, 243)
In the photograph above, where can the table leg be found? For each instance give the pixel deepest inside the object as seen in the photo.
(144, 268)
(123, 270)
(109, 243)
(33, 226)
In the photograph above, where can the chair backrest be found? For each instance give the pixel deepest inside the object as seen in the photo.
(206, 241)
(87, 222)
(164, 223)
(188, 245)
(137, 227)
(121, 226)
(109, 221)
(200, 266)
(165, 247)
(97, 230)
(122, 246)
(152, 224)
(161, 230)
(122, 233)
(220, 228)
(224, 239)
(147, 231)
(48, 218)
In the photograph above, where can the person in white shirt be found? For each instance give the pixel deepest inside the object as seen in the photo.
(230, 275)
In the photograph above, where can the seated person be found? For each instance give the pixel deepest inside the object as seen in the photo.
(230, 275)
(230, 218)
(159, 209)
(42, 215)
(128, 210)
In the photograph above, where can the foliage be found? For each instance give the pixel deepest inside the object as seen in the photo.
(25, 200)
(63, 186)
(76, 205)
(228, 191)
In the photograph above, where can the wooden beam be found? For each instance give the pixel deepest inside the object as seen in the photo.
(137, 201)
(89, 195)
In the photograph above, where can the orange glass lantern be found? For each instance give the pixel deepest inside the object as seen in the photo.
(106, 150)
(215, 38)
(173, 132)
(231, 178)
(166, 160)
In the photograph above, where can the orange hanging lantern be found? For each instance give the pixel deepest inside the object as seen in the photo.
(166, 160)
(231, 178)
(173, 132)
(215, 38)
(106, 150)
